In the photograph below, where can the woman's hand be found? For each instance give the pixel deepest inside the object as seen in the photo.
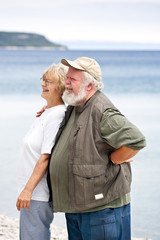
(24, 199)
(40, 169)
(41, 111)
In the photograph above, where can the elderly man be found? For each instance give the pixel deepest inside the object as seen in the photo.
(90, 173)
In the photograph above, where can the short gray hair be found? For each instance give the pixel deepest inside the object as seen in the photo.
(88, 79)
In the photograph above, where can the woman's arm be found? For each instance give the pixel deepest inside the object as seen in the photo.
(24, 198)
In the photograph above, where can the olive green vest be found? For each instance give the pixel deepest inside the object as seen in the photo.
(93, 179)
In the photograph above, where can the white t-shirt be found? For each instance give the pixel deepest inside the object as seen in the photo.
(39, 140)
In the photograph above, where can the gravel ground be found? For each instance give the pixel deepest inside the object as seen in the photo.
(9, 230)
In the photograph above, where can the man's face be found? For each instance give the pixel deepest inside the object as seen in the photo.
(74, 79)
(75, 92)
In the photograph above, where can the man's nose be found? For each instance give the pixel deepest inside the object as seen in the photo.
(67, 81)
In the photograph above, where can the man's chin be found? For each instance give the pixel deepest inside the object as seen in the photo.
(71, 99)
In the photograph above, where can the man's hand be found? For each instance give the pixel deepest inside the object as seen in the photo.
(41, 111)
(125, 161)
(122, 155)
(24, 199)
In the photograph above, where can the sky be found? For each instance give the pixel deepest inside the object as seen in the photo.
(85, 23)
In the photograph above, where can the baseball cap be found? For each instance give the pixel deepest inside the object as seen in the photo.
(86, 64)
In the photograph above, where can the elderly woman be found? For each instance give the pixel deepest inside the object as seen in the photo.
(36, 212)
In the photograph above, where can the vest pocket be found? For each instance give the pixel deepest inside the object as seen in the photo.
(89, 181)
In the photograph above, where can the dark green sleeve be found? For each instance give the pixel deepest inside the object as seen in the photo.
(118, 131)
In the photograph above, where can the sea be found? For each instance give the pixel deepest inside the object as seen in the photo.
(131, 81)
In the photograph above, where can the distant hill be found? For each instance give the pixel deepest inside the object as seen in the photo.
(26, 40)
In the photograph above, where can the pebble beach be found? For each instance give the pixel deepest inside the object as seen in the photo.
(9, 230)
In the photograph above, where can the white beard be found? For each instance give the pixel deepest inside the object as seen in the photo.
(73, 100)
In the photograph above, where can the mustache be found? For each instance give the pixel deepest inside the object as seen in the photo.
(68, 86)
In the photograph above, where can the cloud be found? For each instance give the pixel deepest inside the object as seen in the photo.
(99, 20)
(51, 3)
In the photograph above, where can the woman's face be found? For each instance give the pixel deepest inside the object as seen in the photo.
(49, 91)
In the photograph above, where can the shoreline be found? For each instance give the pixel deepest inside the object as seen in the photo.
(32, 48)
(9, 229)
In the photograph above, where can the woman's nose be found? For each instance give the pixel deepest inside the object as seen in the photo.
(43, 83)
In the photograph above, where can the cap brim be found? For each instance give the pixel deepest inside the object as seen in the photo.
(72, 64)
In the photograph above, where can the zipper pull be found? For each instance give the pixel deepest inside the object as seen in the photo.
(77, 131)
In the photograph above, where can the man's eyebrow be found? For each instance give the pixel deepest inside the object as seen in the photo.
(72, 78)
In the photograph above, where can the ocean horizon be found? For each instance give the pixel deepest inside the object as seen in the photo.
(132, 82)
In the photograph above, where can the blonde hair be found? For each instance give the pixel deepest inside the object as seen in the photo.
(56, 73)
